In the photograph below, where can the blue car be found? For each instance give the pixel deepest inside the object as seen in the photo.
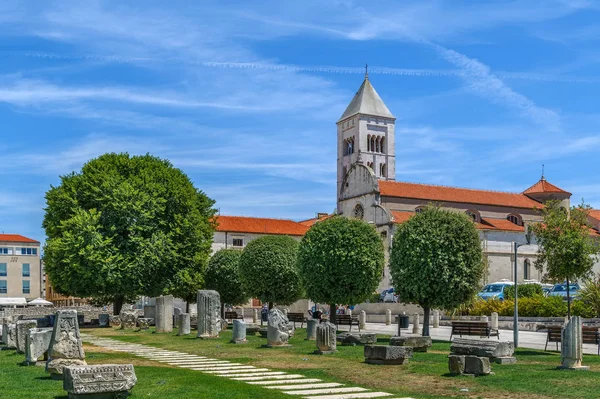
(494, 290)
(561, 290)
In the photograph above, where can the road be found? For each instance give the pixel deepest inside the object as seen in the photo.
(527, 339)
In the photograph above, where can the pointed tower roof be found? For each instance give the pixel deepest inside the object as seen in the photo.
(367, 101)
(544, 187)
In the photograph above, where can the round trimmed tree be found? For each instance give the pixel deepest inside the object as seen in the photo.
(268, 270)
(340, 261)
(222, 275)
(125, 226)
(436, 260)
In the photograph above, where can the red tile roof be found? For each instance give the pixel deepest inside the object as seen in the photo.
(310, 222)
(543, 186)
(243, 224)
(486, 224)
(595, 214)
(429, 192)
(16, 238)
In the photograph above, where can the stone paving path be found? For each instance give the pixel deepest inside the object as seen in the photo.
(295, 385)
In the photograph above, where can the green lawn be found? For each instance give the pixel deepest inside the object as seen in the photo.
(534, 376)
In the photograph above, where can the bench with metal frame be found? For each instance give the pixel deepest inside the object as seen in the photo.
(296, 317)
(589, 335)
(233, 315)
(347, 320)
(474, 328)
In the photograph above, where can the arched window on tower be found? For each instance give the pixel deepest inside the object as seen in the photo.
(382, 146)
(369, 143)
(372, 143)
(349, 149)
(515, 219)
(377, 144)
(370, 165)
(473, 214)
(382, 170)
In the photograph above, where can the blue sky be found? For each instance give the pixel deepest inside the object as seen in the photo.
(243, 96)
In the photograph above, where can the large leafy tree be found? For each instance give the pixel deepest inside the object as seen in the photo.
(268, 270)
(340, 261)
(125, 226)
(436, 260)
(222, 275)
(566, 248)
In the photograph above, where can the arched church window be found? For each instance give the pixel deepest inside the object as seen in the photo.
(359, 212)
(370, 165)
(473, 214)
(515, 219)
(369, 143)
(419, 209)
(349, 147)
(372, 143)
(382, 146)
(526, 269)
(377, 144)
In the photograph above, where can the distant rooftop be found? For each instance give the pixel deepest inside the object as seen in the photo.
(367, 101)
(16, 238)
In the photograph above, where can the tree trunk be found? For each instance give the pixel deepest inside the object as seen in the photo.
(270, 305)
(222, 311)
(332, 312)
(117, 304)
(568, 300)
(187, 307)
(426, 321)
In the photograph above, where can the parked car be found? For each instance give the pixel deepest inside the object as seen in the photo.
(494, 290)
(384, 293)
(561, 290)
(391, 296)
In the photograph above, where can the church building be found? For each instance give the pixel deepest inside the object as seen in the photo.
(367, 189)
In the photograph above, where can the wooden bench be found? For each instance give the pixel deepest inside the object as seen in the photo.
(589, 335)
(474, 328)
(296, 317)
(233, 315)
(347, 320)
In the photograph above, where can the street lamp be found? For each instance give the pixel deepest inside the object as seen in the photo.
(516, 316)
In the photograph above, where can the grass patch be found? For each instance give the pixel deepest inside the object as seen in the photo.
(154, 381)
(534, 376)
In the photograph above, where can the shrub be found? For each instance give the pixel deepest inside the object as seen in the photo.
(590, 295)
(582, 309)
(535, 306)
(525, 291)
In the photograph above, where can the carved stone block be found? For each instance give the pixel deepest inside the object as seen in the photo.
(66, 347)
(37, 344)
(22, 327)
(99, 381)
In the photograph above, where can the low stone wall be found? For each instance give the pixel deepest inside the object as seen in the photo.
(525, 323)
(376, 311)
(89, 312)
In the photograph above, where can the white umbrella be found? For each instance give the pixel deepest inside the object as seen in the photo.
(40, 302)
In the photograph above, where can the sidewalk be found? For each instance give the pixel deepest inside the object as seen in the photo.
(527, 339)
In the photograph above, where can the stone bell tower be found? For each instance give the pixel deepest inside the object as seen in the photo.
(366, 134)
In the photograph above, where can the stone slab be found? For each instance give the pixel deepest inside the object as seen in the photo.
(477, 366)
(246, 372)
(298, 381)
(306, 386)
(352, 339)
(352, 395)
(22, 327)
(325, 390)
(273, 377)
(37, 344)
(388, 355)
(83, 381)
(482, 348)
(418, 343)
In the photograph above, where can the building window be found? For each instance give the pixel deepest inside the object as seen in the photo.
(2, 269)
(515, 219)
(372, 143)
(526, 269)
(6, 251)
(26, 271)
(238, 242)
(473, 215)
(3, 288)
(382, 146)
(26, 287)
(359, 212)
(382, 170)
(369, 143)
(28, 251)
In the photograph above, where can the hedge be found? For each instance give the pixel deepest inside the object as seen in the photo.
(536, 306)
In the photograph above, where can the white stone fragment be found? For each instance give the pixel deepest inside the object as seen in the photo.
(306, 386)
(275, 382)
(352, 395)
(274, 377)
(325, 390)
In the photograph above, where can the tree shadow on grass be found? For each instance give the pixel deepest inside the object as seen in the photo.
(62, 397)
(383, 339)
(536, 353)
(45, 378)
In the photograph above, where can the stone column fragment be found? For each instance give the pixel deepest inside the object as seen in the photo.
(278, 331)
(572, 345)
(416, 322)
(388, 317)
(362, 319)
(22, 327)
(164, 314)
(209, 314)
(311, 329)
(436, 318)
(254, 316)
(326, 338)
(494, 321)
(239, 332)
(183, 324)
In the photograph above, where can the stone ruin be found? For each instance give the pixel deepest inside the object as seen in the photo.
(571, 351)
(37, 345)
(326, 339)
(209, 314)
(387, 355)
(474, 356)
(66, 348)
(99, 381)
(164, 314)
(22, 327)
(277, 329)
